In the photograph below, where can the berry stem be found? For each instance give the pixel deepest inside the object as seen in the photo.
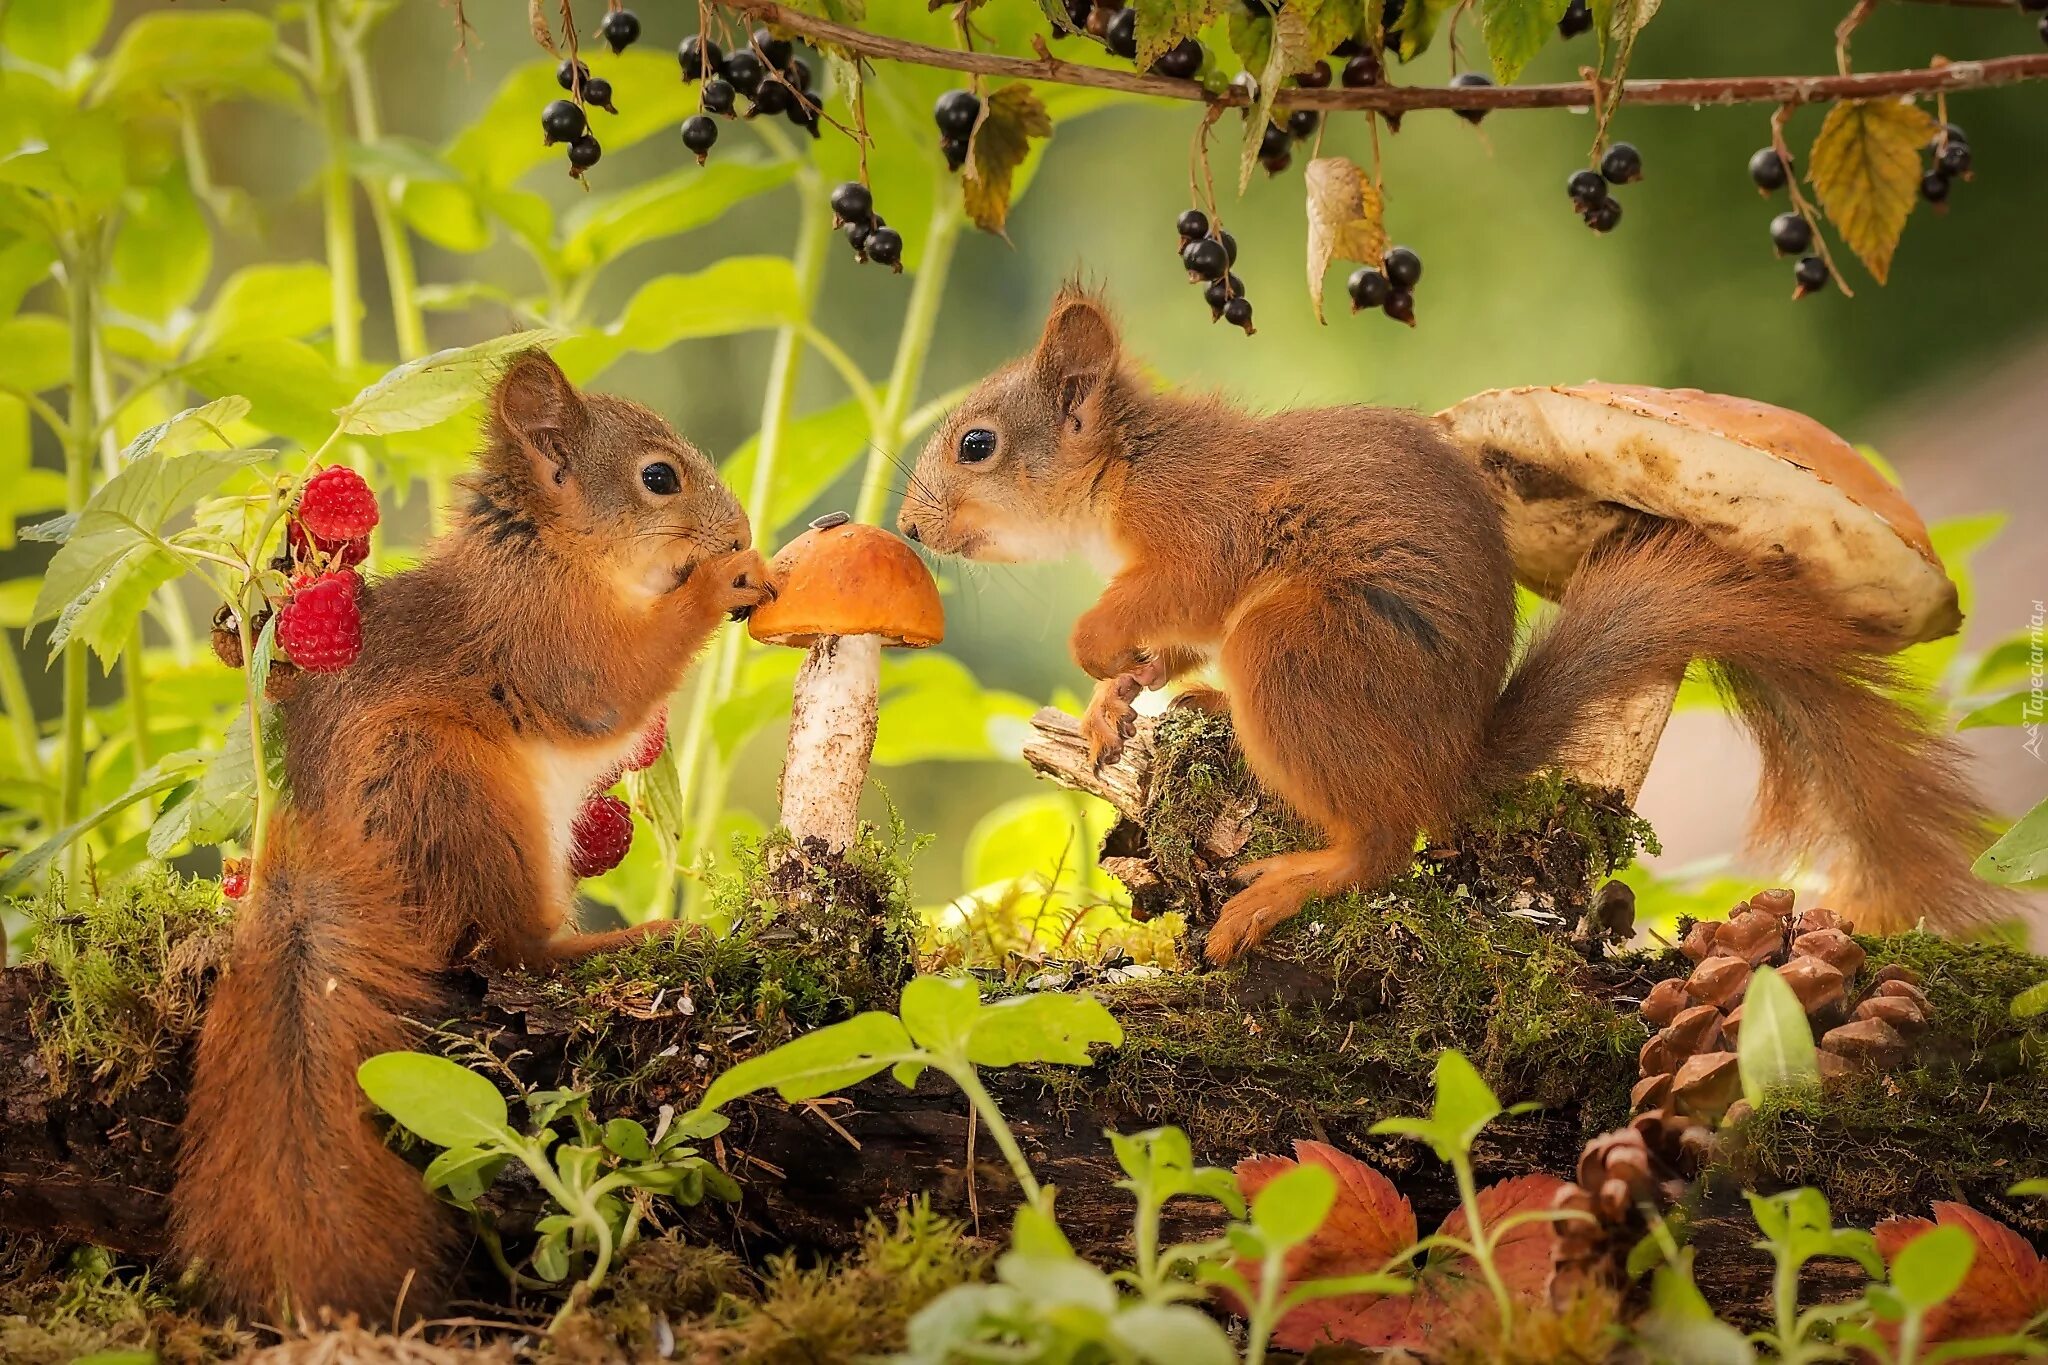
(1799, 200)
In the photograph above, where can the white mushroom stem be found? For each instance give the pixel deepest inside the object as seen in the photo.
(1620, 756)
(831, 736)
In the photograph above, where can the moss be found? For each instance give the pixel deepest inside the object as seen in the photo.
(853, 1308)
(56, 1307)
(127, 968)
(1963, 1118)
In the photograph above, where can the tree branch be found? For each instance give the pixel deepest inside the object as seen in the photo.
(1401, 99)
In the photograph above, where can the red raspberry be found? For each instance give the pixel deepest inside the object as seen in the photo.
(234, 878)
(603, 832)
(337, 505)
(341, 554)
(652, 741)
(320, 626)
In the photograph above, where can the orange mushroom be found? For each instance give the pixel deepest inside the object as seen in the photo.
(845, 592)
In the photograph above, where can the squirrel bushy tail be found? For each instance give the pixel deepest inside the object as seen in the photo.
(1852, 775)
(286, 1195)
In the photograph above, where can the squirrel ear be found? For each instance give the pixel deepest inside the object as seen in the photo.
(539, 412)
(1078, 350)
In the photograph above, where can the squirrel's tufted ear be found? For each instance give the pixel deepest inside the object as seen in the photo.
(1078, 351)
(539, 413)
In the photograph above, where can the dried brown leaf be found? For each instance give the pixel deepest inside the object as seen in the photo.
(1011, 117)
(1345, 220)
(1865, 168)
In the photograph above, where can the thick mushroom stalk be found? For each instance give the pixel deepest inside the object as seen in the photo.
(1574, 465)
(845, 593)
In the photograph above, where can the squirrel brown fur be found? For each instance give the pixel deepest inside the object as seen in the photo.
(432, 788)
(1348, 571)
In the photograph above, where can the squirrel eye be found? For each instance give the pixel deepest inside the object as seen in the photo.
(977, 445)
(661, 479)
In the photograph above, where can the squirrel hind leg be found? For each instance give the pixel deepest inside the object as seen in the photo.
(1281, 885)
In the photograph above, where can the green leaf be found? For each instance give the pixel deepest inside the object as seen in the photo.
(1287, 52)
(117, 1358)
(1047, 1027)
(1172, 1334)
(162, 252)
(738, 294)
(35, 353)
(52, 32)
(262, 302)
(1344, 1286)
(433, 388)
(104, 619)
(2032, 1002)
(464, 1172)
(292, 389)
(1163, 23)
(198, 56)
(1058, 1282)
(28, 869)
(1465, 1103)
(2020, 708)
(1775, 1048)
(551, 1256)
(817, 1062)
(221, 804)
(1516, 30)
(627, 1140)
(1932, 1266)
(1293, 1205)
(2021, 854)
(940, 1012)
(816, 450)
(1865, 169)
(1412, 32)
(2036, 1188)
(448, 1105)
(1011, 118)
(503, 142)
(604, 227)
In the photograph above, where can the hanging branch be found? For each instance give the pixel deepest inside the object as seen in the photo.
(1400, 99)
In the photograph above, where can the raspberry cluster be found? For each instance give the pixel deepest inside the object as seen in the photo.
(1391, 288)
(767, 72)
(1791, 233)
(1589, 190)
(603, 829)
(853, 213)
(1209, 252)
(320, 621)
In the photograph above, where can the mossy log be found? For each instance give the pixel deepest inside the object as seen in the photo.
(1331, 1026)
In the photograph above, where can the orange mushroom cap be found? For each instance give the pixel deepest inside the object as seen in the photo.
(843, 578)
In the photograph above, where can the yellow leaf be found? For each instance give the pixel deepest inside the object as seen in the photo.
(1865, 167)
(1344, 220)
(1012, 116)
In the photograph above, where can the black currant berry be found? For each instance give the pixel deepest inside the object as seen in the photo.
(1221, 291)
(1181, 61)
(745, 71)
(1193, 223)
(797, 72)
(1276, 164)
(699, 135)
(885, 247)
(698, 55)
(1361, 71)
(2042, 28)
(1205, 259)
(1317, 77)
(1400, 306)
(561, 121)
(1623, 164)
(583, 154)
(1810, 275)
(1934, 187)
(954, 149)
(1368, 288)
(1586, 187)
(956, 112)
(1301, 124)
(1077, 14)
(1576, 19)
(716, 96)
(1121, 36)
(620, 28)
(1273, 142)
(1229, 247)
(775, 51)
(1767, 169)
(1238, 313)
(598, 91)
(1954, 159)
(852, 202)
(1471, 80)
(1791, 234)
(804, 114)
(773, 97)
(1403, 267)
(1604, 216)
(572, 73)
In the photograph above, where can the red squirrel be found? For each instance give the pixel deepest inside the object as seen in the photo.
(433, 784)
(1348, 571)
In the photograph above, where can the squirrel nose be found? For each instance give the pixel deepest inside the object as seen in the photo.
(910, 530)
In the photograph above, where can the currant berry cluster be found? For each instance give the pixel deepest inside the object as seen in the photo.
(853, 213)
(1791, 233)
(1589, 189)
(1391, 288)
(956, 114)
(1948, 161)
(768, 72)
(1208, 253)
(1276, 146)
(566, 120)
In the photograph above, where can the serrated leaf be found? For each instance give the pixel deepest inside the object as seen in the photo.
(1410, 36)
(1287, 53)
(1515, 31)
(1164, 23)
(2021, 853)
(27, 869)
(1345, 216)
(1865, 168)
(434, 388)
(1011, 117)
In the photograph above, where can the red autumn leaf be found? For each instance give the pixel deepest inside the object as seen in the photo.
(1372, 1222)
(2006, 1287)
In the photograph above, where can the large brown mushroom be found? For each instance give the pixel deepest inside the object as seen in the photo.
(1574, 464)
(845, 591)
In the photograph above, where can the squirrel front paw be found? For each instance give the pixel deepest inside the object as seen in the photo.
(739, 582)
(1102, 651)
(1111, 717)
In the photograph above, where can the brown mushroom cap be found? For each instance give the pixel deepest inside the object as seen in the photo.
(1569, 463)
(842, 578)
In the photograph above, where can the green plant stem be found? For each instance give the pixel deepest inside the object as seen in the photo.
(1482, 1242)
(135, 679)
(964, 1075)
(21, 715)
(81, 276)
(1259, 1330)
(336, 187)
(401, 275)
(259, 764)
(920, 320)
